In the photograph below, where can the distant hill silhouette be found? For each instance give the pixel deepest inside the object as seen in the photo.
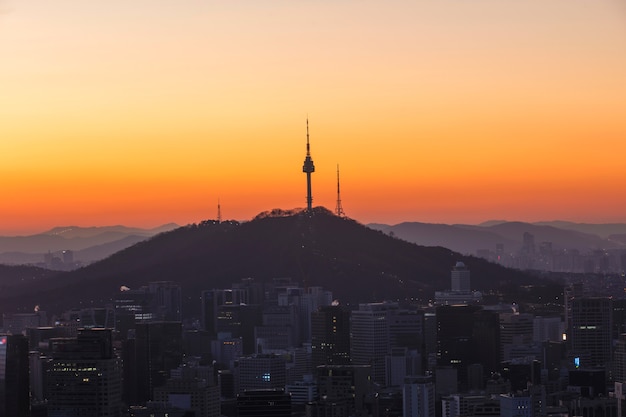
(469, 238)
(357, 263)
(88, 243)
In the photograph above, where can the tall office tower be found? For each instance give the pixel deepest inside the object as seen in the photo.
(308, 168)
(167, 301)
(619, 360)
(212, 300)
(84, 378)
(279, 330)
(515, 329)
(369, 337)
(158, 350)
(191, 388)
(330, 336)
(460, 288)
(619, 318)
(377, 328)
(239, 321)
(342, 389)
(460, 278)
(465, 335)
(418, 397)
(263, 371)
(264, 403)
(570, 293)
(591, 330)
(14, 381)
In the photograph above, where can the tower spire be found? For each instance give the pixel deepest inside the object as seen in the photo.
(339, 209)
(308, 168)
(219, 211)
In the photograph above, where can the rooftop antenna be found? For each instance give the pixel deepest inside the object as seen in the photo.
(339, 209)
(219, 211)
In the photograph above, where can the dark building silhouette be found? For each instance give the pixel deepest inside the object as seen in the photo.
(84, 377)
(591, 330)
(240, 320)
(330, 336)
(467, 335)
(264, 403)
(14, 381)
(342, 390)
(158, 350)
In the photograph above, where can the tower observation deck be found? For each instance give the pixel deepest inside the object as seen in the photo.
(308, 168)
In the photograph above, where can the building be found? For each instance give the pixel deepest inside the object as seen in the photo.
(418, 397)
(461, 290)
(158, 348)
(14, 378)
(259, 372)
(330, 336)
(264, 403)
(191, 389)
(591, 329)
(84, 377)
(342, 390)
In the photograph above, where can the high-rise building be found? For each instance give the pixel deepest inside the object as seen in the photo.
(330, 336)
(84, 377)
(14, 381)
(515, 329)
(591, 330)
(158, 350)
(466, 334)
(418, 397)
(258, 372)
(342, 389)
(191, 388)
(369, 337)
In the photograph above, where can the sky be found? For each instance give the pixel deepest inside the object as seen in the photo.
(146, 112)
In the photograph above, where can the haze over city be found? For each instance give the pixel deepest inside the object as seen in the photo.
(147, 112)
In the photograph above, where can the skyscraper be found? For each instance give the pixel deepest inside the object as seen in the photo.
(308, 168)
(84, 378)
(14, 386)
(330, 336)
(591, 329)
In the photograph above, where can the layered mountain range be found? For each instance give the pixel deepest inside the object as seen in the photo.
(357, 263)
(470, 239)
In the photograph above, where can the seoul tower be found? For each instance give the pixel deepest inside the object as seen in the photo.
(309, 168)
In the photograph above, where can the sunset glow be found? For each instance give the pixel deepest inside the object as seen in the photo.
(147, 112)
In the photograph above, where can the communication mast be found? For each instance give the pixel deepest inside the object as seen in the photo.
(339, 209)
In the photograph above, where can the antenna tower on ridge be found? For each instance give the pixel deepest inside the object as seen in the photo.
(308, 168)
(339, 209)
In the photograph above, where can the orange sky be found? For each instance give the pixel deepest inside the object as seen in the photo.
(146, 112)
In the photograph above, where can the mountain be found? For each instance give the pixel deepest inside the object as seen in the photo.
(470, 238)
(315, 249)
(88, 243)
(604, 230)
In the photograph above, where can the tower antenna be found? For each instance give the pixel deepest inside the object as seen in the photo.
(308, 168)
(219, 211)
(339, 209)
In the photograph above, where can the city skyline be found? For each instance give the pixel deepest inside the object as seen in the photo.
(447, 112)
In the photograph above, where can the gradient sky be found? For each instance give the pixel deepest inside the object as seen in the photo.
(145, 112)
